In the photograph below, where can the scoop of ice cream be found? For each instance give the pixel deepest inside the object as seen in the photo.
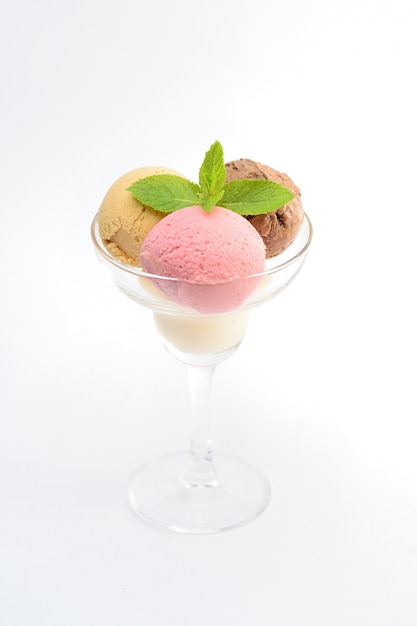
(279, 228)
(211, 254)
(123, 221)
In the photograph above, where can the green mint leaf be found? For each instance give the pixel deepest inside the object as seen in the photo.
(212, 176)
(254, 197)
(165, 192)
(208, 201)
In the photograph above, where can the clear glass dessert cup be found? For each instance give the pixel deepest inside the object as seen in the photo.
(195, 491)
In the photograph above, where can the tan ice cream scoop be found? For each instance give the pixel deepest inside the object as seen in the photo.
(123, 221)
(278, 229)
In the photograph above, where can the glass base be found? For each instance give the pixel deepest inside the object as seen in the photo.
(160, 498)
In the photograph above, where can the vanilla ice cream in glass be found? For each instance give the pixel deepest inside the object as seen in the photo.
(201, 319)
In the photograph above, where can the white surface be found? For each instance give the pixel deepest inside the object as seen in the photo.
(321, 393)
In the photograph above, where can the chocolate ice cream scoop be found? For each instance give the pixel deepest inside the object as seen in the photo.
(279, 228)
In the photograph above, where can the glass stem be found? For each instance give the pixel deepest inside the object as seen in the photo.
(199, 471)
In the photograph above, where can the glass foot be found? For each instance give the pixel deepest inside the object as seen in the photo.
(158, 495)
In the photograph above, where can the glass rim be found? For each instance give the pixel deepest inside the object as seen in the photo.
(138, 271)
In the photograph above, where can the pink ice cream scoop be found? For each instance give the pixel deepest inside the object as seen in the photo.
(210, 253)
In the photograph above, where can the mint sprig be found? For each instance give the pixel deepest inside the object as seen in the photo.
(168, 193)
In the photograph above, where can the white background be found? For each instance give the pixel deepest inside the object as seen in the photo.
(321, 393)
